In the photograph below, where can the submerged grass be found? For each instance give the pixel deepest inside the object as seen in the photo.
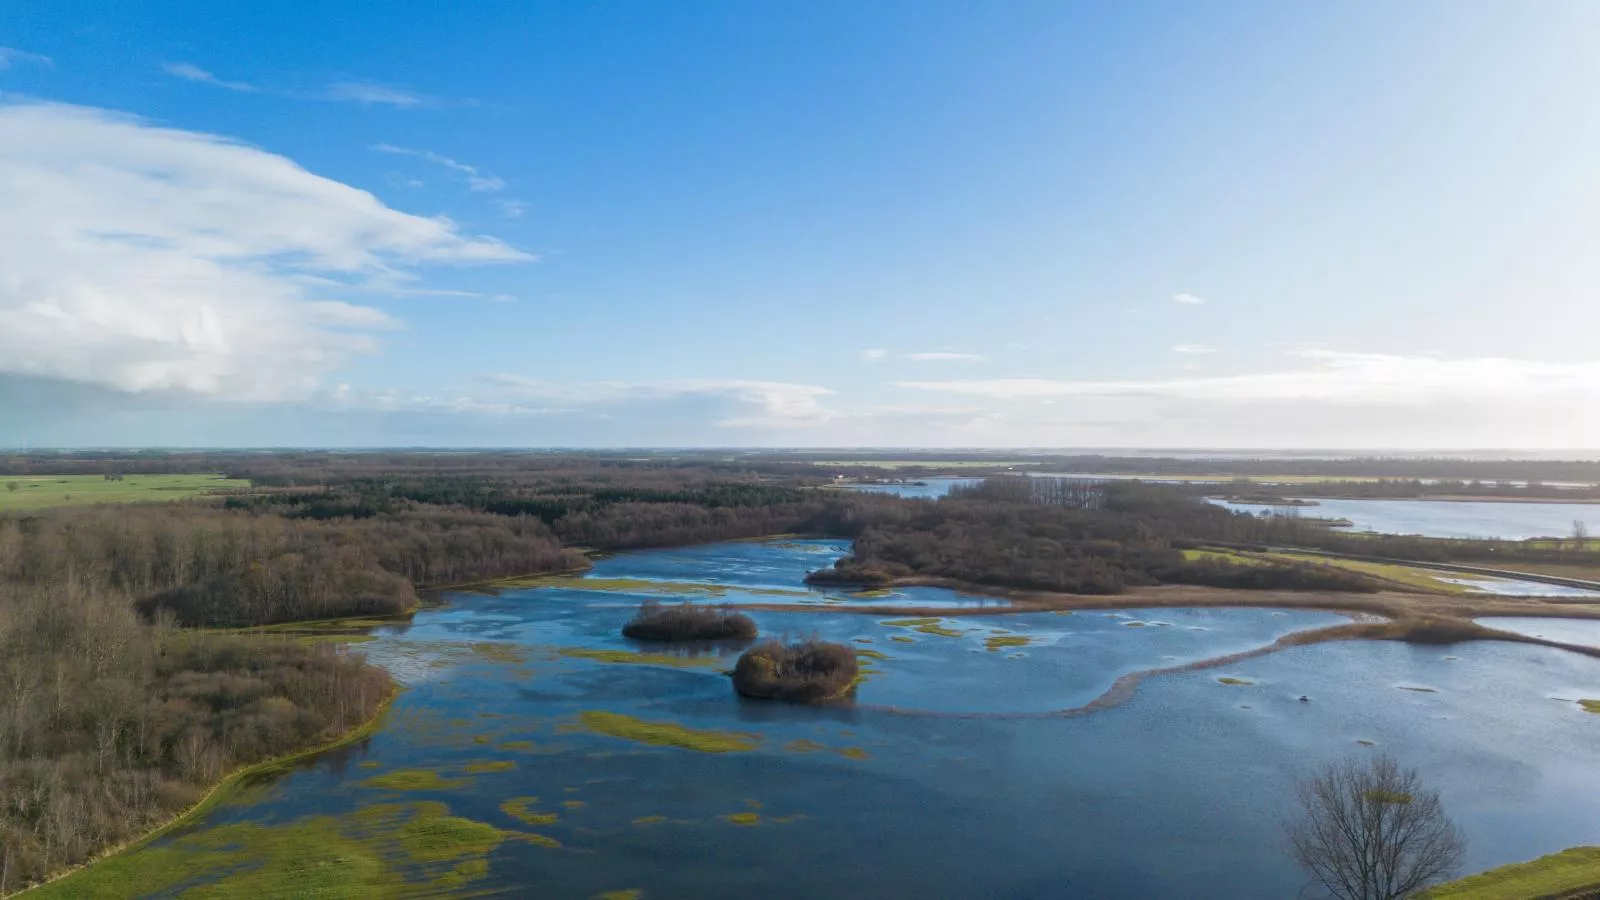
(385, 850)
(629, 657)
(666, 734)
(1001, 641)
(415, 780)
(489, 765)
(1557, 875)
(1229, 679)
(522, 809)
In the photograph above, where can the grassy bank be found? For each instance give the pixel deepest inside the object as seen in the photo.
(1558, 875)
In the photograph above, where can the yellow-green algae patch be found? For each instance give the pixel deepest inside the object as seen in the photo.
(666, 734)
(873, 654)
(517, 745)
(854, 753)
(1000, 641)
(522, 809)
(574, 804)
(499, 652)
(804, 745)
(489, 765)
(1229, 679)
(1556, 875)
(386, 850)
(649, 820)
(1590, 705)
(628, 657)
(415, 780)
(902, 639)
(910, 623)
(939, 630)
(743, 818)
(629, 894)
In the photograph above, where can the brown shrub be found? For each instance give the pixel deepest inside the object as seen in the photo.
(806, 672)
(688, 622)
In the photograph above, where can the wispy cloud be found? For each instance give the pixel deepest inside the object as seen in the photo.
(1326, 375)
(366, 93)
(475, 179)
(191, 72)
(880, 355)
(735, 403)
(513, 209)
(10, 56)
(149, 259)
(1194, 348)
(1188, 299)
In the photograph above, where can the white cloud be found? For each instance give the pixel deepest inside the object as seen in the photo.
(874, 355)
(367, 94)
(1194, 348)
(144, 258)
(513, 209)
(476, 180)
(734, 403)
(190, 72)
(1188, 299)
(1329, 399)
(10, 56)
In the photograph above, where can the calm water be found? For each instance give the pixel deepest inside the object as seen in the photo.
(931, 488)
(1443, 518)
(945, 780)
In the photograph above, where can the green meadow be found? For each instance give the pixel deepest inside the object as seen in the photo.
(21, 493)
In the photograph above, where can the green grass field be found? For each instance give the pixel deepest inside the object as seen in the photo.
(1555, 875)
(33, 492)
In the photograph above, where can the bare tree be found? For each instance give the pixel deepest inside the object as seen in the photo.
(1580, 533)
(1371, 831)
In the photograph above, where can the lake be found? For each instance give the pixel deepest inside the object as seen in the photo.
(956, 774)
(1448, 518)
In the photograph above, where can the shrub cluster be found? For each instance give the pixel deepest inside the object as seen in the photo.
(805, 672)
(688, 622)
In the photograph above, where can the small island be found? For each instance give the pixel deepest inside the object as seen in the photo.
(687, 621)
(809, 671)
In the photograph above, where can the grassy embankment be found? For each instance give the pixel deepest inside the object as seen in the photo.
(1571, 872)
(35, 492)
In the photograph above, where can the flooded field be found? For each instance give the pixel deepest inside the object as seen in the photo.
(536, 751)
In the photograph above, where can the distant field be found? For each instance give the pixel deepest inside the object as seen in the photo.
(924, 463)
(42, 491)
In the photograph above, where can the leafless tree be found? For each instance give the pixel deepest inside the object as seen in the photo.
(1372, 831)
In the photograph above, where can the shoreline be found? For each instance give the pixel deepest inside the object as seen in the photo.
(1397, 605)
(1126, 685)
(219, 792)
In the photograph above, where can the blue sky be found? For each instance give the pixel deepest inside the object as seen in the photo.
(1232, 224)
